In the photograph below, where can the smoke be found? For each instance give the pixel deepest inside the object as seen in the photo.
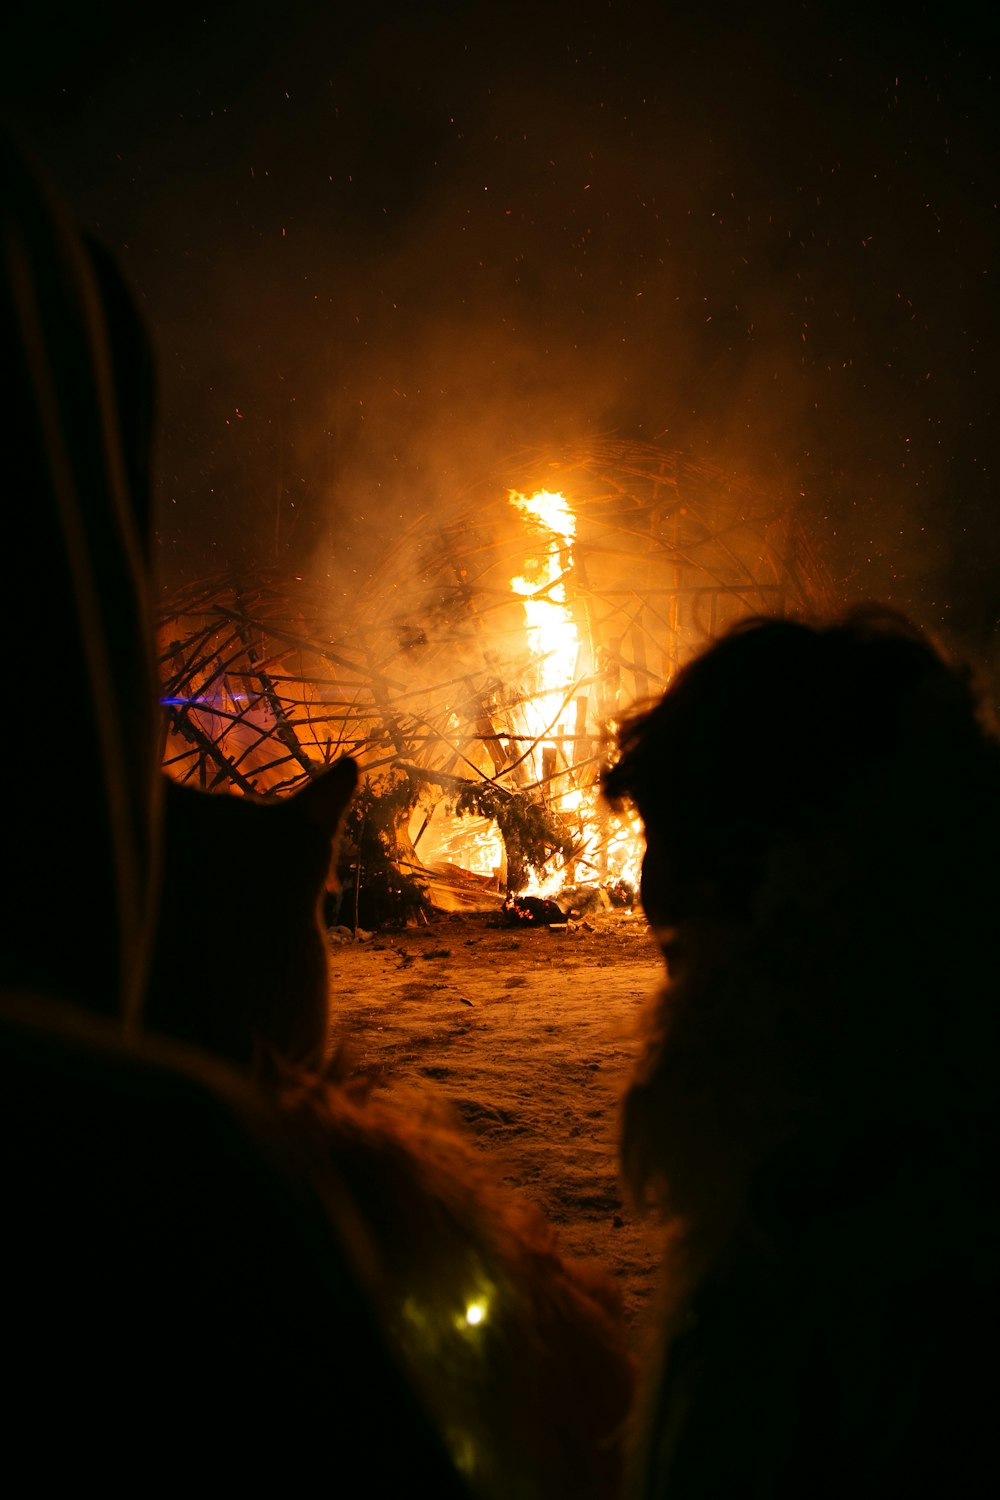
(381, 253)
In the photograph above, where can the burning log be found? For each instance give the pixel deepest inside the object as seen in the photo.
(532, 911)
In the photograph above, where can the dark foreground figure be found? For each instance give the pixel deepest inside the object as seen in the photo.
(186, 1292)
(517, 1351)
(815, 1108)
(222, 1268)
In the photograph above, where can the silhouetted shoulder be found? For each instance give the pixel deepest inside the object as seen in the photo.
(185, 1289)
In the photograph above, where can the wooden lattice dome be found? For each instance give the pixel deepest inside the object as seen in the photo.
(433, 675)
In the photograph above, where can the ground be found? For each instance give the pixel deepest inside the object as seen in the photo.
(529, 1034)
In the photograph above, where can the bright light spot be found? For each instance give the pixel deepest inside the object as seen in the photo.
(553, 511)
(475, 1313)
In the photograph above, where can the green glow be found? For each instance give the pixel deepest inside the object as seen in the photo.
(475, 1313)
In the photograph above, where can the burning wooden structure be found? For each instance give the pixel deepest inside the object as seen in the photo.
(478, 675)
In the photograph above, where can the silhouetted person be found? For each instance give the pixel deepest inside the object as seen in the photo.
(815, 1108)
(186, 1290)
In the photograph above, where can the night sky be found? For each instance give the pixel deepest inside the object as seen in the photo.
(379, 248)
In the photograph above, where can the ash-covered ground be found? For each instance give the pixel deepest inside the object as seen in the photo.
(528, 1035)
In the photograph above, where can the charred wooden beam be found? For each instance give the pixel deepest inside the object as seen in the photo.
(282, 727)
(210, 751)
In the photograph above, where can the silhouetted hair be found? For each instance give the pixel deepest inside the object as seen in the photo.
(828, 797)
(781, 724)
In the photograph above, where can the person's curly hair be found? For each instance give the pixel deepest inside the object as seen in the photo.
(823, 801)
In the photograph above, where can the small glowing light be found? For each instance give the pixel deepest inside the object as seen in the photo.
(475, 1313)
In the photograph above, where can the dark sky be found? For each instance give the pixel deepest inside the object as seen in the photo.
(381, 247)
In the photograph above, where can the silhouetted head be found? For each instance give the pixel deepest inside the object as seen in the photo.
(783, 732)
(822, 809)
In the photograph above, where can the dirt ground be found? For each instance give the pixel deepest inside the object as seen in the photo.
(529, 1034)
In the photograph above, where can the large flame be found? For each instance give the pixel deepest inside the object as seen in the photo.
(551, 632)
(558, 710)
(553, 716)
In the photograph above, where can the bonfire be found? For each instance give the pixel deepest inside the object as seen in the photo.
(479, 677)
